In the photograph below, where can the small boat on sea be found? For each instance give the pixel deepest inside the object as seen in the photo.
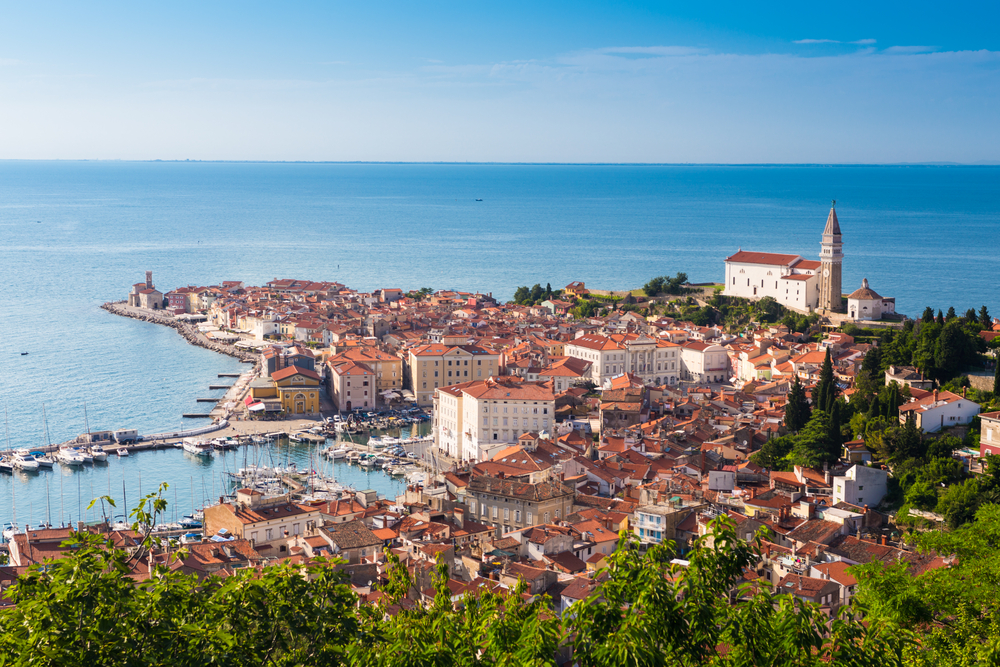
(98, 453)
(69, 457)
(87, 457)
(6, 465)
(188, 521)
(190, 538)
(44, 460)
(197, 447)
(121, 451)
(23, 460)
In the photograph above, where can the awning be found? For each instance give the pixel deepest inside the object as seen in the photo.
(253, 405)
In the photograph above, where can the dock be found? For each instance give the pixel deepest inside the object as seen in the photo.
(206, 400)
(229, 375)
(191, 415)
(220, 386)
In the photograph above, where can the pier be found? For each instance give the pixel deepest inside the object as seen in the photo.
(193, 415)
(220, 386)
(206, 400)
(229, 375)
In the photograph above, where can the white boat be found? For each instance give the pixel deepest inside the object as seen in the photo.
(191, 538)
(6, 465)
(44, 460)
(9, 531)
(197, 447)
(121, 451)
(24, 460)
(338, 453)
(98, 453)
(87, 458)
(69, 457)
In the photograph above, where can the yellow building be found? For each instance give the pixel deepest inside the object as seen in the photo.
(437, 365)
(387, 368)
(298, 390)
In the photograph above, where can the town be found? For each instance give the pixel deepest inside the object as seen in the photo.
(568, 417)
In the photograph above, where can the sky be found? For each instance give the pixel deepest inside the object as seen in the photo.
(719, 82)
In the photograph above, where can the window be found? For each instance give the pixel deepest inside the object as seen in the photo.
(269, 534)
(506, 514)
(517, 516)
(529, 517)
(546, 517)
(296, 529)
(494, 512)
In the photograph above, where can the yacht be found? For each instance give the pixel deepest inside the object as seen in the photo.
(197, 447)
(6, 465)
(87, 458)
(44, 460)
(188, 521)
(121, 451)
(98, 453)
(338, 453)
(69, 457)
(9, 531)
(24, 460)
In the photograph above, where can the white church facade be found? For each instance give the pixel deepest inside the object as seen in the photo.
(797, 283)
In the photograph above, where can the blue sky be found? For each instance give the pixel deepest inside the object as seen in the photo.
(535, 82)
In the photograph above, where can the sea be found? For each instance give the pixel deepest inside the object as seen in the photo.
(74, 235)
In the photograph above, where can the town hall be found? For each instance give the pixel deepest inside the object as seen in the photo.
(800, 284)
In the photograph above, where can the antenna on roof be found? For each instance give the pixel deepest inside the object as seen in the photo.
(833, 204)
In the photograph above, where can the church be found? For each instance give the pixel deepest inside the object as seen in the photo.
(800, 284)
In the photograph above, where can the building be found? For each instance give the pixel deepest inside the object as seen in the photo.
(565, 372)
(861, 486)
(438, 365)
(938, 410)
(262, 521)
(989, 435)
(475, 419)
(507, 504)
(794, 282)
(144, 295)
(655, 362)
(298, 390)
(386, 371)
(907, 375)
(865, 303)
(704, 362)
(350, 385)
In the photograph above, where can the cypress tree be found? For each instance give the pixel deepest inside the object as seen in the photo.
(984, 318)
(827, 389)
(951, 313)
(874, 409)
(834, 436)
(797, 412)
(928, 315)
(940, 317)
(996, 379)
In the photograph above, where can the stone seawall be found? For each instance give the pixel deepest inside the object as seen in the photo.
(188, 331)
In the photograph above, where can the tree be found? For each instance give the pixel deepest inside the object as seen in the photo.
(985, 321)
(536, 293)
(928, 315)
(797, 411)
(522, 294)
(774, 453)
(996, 377)
(826, 390)
(548, 291)
(813, 445)
(940, 317)
(951, 313)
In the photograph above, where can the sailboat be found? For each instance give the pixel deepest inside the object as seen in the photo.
(96, 452)
(10, 529)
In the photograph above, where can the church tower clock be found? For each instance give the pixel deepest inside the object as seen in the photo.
(831, 258)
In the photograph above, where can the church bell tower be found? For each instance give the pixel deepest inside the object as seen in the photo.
(831, 258)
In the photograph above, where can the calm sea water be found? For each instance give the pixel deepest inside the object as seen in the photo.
(76, 234)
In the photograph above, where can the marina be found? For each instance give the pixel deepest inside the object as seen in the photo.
(269, 461)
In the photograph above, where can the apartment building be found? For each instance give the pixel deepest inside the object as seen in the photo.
(436, 365)
(656, 362)
(507, 504)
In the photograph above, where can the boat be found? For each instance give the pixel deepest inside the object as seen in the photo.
(98, 453)
(9, 531)
(197, 447)
(23, 460)
(24, 354)
(44, 460)
(188, 521)
(121, 451)
(335, 454)
(87, 458)
(69, 457)
(6, 465)
(190, 538)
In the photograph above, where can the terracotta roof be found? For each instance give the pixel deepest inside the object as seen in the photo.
(763, 258)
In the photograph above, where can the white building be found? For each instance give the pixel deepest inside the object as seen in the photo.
(475, 419)
(865, 303)
(989, 435)
(938, 410)
(655, 361)
(704, 362)
(799, 284)
(861, 486)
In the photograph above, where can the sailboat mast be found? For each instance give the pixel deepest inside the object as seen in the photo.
(45, 425)
(13, 498)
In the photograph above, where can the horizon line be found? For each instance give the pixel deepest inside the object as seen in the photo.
(540, 164)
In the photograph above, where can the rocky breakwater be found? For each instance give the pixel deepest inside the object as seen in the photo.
(188, 331)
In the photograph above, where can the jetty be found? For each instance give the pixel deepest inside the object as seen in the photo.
(220, 386)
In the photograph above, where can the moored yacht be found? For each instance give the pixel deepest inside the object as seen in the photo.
(69, 457)
(44, 460)
(197, 447)
(98, 453)
(24, 460)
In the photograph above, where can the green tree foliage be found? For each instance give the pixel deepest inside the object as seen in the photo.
(774, 454)
(996, 377)
(665, 285)
(814, 445)
(585, 308)
(955, 608)
(928, 315)
(797, 411)
(85, 610)
(826, 390)
(950, 315)
(985, 321)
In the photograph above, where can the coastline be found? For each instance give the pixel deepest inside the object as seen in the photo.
(189, 332)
